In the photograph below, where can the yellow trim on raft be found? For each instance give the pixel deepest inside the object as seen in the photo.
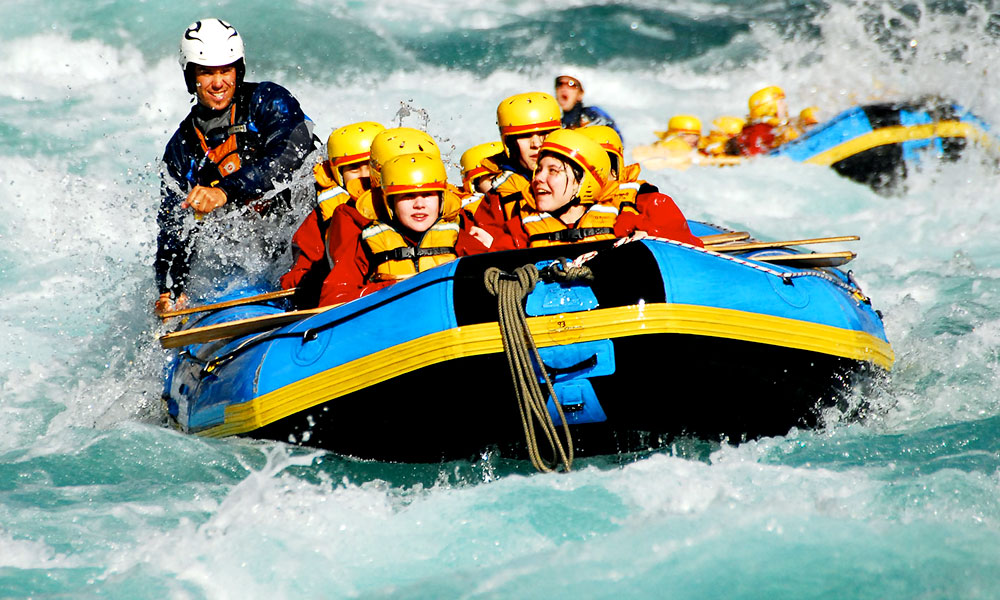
(898, 134)
(552, 330)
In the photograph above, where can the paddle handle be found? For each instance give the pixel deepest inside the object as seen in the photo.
(724, 238)
(734, 247)
(230, 329)
(228, 303)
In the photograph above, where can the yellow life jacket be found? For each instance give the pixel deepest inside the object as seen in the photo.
(365, 204)
(225, 156)
(329, 199)
(785, 133)
(715, 144)
(629, 184)
(598, 223)
(514, 193)
(323, 173)
(331, 195)
(391, 257)
(453, 201)
(471, 202)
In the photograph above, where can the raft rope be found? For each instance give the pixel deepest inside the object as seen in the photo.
(519, 346)
(785, 276)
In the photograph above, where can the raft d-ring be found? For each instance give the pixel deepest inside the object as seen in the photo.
(309, 335)
(787, 279)
(559, 266)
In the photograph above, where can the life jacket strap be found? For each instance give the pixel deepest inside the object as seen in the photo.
(408, 253)
(571, 235)
(509, 198)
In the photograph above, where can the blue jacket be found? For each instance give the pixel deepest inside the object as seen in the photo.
(581, 116)
(274, 138)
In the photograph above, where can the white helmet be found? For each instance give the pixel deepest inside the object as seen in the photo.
(210, 43)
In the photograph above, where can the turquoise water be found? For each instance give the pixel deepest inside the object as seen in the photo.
(99, 500)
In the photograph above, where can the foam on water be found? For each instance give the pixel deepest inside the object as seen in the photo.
(98, 500)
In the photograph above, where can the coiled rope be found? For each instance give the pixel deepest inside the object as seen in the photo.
(519, 346)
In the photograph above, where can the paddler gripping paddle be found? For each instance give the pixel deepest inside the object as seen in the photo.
(227, 304)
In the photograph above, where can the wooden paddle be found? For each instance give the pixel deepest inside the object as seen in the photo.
(208, 333)
(813, 260)
(724, 238)
(730, 247)
(227, 303)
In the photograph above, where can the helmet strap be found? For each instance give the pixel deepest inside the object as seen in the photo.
(559, 212)
(189, 79)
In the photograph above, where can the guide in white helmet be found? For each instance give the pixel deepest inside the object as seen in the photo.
(234, 151)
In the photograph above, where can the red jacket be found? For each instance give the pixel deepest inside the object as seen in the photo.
(658, 216)
(754, 139)
(307, 248)
(309, 263)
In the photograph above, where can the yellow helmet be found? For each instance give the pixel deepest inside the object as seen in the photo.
(809, 115)
(350, 144)
(528, 113)
(681, 124)
(397, 141)
(728, 125)
(609, 139)
(589, 155)
(764, 102)
(409, 173)
(472, 162)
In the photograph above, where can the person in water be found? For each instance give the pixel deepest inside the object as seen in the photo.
(723, 129)
(767, 124)
(686, 128)
(682, 137)
(417, 227)
(340, 179)
(569, 93)
(237, 144)
(808, 117)
(575, 200)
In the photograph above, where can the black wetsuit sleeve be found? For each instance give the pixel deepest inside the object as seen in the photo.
(172, 248)
(286, 139)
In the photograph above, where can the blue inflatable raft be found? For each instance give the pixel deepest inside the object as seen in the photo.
(664, 340)
(877, 144)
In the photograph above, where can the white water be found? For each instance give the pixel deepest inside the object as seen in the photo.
(97, 500)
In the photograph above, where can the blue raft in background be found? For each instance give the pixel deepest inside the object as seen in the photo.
(877, 144)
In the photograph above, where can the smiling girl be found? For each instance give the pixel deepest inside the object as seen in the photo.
(576, 199)
(419, 228)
